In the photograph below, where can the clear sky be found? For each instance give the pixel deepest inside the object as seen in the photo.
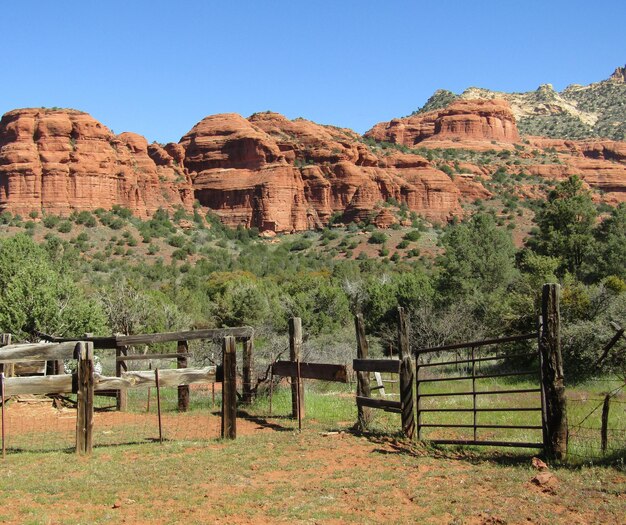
(158, 67)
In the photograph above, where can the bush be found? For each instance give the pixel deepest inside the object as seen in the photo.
(299, 245)
(377, 238)
(177, 241)
(412, 236)
(50, 221)
(65, 227)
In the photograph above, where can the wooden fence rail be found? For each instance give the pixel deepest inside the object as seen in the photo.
(122, 343)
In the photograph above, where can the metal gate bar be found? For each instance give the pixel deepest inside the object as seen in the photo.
(473, 359)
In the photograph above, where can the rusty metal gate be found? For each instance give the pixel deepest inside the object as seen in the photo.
(471, 394)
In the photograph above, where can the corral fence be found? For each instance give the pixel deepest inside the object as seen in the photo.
(126, 346)
(502, 392)
(86, 382)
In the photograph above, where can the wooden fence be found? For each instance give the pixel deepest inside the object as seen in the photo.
(550, 394)
(402, 366)
(85, 382)
(122, 344)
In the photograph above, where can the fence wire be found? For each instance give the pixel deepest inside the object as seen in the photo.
(585, 412)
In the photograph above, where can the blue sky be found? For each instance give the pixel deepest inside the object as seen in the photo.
(157, 67)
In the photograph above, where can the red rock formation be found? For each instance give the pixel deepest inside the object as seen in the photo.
(64, 160)
(279, 174)
(284, 175)
(463, 120)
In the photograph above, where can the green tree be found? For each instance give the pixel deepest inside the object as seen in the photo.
(478, 258)
(37, 295)
(566, 225)
(611, 245)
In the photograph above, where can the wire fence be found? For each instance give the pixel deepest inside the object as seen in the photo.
(597, 421)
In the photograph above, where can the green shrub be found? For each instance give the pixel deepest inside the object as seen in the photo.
(177, 241)
(377, 238)
(65, 227)
(412, 236)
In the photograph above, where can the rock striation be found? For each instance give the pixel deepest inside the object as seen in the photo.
(463, 120)
(277, 174)
(282, 175)
(59, 161)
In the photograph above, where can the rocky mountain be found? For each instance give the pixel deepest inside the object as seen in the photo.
(59, 161)
(282, 175)
(578, 112)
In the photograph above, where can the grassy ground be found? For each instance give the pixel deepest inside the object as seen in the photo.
(326, 474)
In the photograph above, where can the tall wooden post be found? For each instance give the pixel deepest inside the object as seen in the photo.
(183, 390)
(403, 334)
(247, 369)
(7, 369)
(604, 430)
(229, 388)
(121, 366)
(364, 415)
(407, 377)
(554, 415)
(295, 352)
(84, 399)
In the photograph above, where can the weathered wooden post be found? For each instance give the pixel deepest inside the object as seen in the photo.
(229, 388)
(406, 377)
(247, 369)
(183, 390)
(4, 449)
(84, 398)
(295, 351)
(121, 366)
(604, 431)
(554, 415)
(157, 384)
(5, 340)
(364, 414)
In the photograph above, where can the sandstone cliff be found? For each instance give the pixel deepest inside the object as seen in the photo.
(466, 120)
(280, 175)
(276, 174)
(64, 160)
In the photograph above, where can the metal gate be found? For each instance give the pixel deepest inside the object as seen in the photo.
(483, 402)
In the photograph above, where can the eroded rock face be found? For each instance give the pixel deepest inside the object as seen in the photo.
(463, 120)
(58, 161)
(282, 175)
(276, 174)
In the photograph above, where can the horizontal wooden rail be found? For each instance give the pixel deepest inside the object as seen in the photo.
(61, 384)
(452, 425)
(497, 409)
(477, 360)
(483, 376)
(321, 371)
(167, 378)
(376, 365)
(147, 357)
(37, 352)
(385, 404)
(485, 443)
(213, 333)
(111, 342)
(477, 344)
(65, 384)
(482, 393)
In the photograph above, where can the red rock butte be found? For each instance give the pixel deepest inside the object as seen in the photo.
(59, 161)
(273, 173)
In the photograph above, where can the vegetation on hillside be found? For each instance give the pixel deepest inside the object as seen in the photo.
(578, 112)
(107, 271)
